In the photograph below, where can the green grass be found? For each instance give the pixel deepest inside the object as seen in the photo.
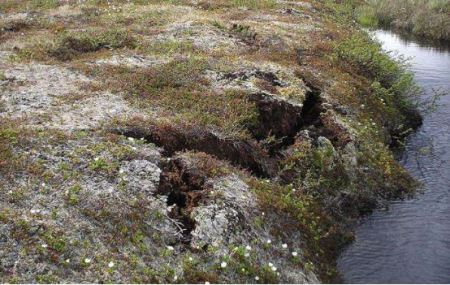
(391, 82)
(254, 4)
(424, 18)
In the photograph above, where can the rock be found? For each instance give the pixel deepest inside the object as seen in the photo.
(141, 176)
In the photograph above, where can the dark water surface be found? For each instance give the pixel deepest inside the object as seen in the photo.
(410, 242)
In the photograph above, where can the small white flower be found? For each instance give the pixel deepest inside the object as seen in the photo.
(44, 245)
(223, 264)
(33, 211)
(111, 264)
(43, 184)
(284, 245)
(87, 260)
(134, 148)
(243, 269)
(263, 213)
(96, 159)
(257, 278)
(67, 260)
(246, 254)
(294, 253)
(269, 241)
(131, 139)
(274, 268)
(121, 171)
(190, 258)
(175, 278)
(270, 264)
(248, 247)
(170, 248)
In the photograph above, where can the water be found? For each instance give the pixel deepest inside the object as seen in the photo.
(410, 242)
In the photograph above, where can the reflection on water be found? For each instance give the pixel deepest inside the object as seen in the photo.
(410, 242)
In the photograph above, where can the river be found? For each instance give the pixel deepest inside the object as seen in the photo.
(409, 242)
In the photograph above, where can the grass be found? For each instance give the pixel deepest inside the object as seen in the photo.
(423, 18)
(391, 83)
(180, 91)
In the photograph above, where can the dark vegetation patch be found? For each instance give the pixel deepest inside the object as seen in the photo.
(70, 46)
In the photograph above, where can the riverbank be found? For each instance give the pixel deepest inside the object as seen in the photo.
(411, 230)
(193, 141)
(423, 19)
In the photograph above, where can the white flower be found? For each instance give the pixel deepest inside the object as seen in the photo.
(67, 260)
(223, 264)
(269, 241)
(284, 245)
(274, 268)
(43, 184)
(33, 211)
(294, 253)
(190, 258)
(246, 254)
(170, 248)
(121, 171)
(131, 139)
(270, 264)
(87, 260)
(256, 278)
(44, 245)
(248, 247)
(175, 278)
(96, 159)
(111, 264)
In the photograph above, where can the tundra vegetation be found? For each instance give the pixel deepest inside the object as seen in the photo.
(429, 19)
(192, 141)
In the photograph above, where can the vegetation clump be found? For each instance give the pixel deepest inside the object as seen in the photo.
(69, 46)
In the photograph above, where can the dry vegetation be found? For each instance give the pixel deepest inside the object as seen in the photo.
(424, 18)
